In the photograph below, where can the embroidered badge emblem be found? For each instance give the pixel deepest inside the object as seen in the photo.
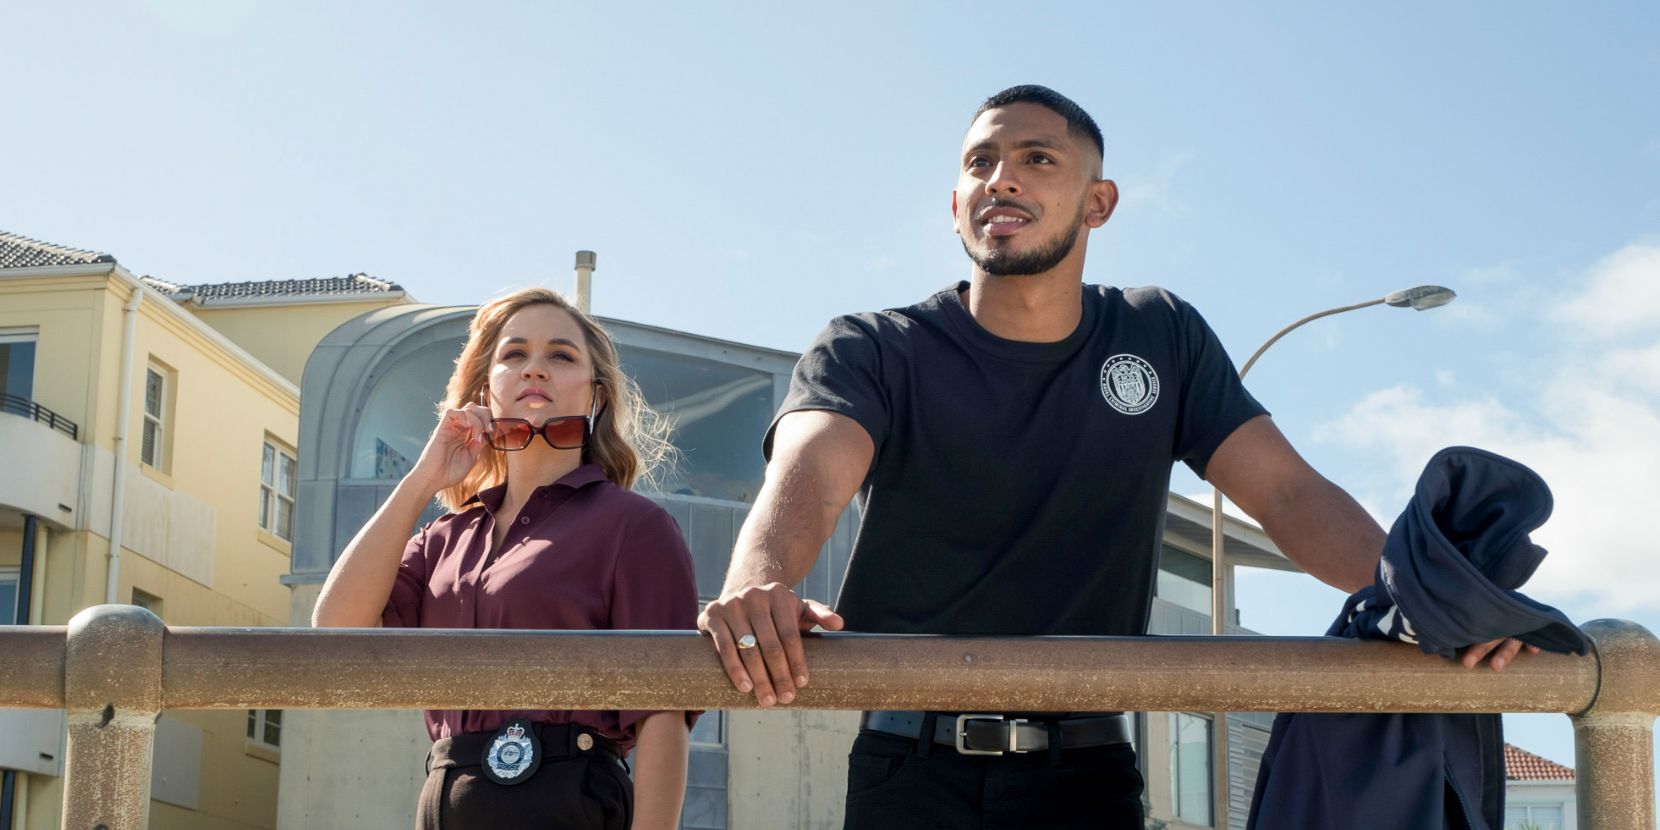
(1129, 384)
(513, 754)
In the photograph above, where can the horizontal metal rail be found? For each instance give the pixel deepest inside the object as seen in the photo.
(29, 409)
(115, 667)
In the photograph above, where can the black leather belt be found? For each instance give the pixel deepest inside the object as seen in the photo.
(999, 734)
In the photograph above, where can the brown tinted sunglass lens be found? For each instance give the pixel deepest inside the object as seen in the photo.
(510, 434)
(565, 433)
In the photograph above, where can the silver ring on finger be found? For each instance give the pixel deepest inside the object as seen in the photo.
(746, 642)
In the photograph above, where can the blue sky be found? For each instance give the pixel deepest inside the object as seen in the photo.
(747, 171)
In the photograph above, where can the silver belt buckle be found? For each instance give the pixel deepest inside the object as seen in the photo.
(962, 734)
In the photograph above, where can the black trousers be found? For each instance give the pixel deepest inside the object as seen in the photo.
(570, 791)
(890, 784)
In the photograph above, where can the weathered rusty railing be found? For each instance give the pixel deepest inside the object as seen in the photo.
(114, 667)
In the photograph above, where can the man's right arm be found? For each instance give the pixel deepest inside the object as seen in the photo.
(819, 459)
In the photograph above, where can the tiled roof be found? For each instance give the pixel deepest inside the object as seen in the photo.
(22, 252)
(321, 286)
(1521, 765)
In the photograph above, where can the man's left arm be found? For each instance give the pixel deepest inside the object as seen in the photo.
(1313, 521)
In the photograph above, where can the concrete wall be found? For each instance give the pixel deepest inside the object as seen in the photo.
(789, 768)
(349, 768)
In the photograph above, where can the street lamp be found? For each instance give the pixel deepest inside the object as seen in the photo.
(1420, 298)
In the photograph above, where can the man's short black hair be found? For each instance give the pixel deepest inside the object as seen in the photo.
(1077, 120)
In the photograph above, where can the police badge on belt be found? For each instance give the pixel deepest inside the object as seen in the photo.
(513, 754)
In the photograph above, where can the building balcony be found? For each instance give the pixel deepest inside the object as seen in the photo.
(29, 409)
(42, 459)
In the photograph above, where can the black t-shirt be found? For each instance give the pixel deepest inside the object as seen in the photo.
(1018, 488)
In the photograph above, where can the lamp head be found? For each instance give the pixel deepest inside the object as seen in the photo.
(1422, 297)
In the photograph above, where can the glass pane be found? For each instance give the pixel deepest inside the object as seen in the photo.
(707, 729)
(8, 596)
(150, 446)
(152, 393)
(401, 411)
(1190, 777)
(253, 716)
(17, 369)
(285, 518)
(285, 475)
(267, 463)
(719, 412)
(273, 734)
(1547, 818)
(265, 497)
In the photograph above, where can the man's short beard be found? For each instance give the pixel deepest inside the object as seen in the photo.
(1000, 262)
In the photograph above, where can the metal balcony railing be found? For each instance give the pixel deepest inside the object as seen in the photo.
(29, 409)
(115, 667)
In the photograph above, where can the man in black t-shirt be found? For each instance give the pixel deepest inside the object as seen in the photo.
(1010, 441)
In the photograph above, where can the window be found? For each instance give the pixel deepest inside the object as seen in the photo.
(17, 362)
(1190, 777)
(148, 601)
(8, 596)
(151, 451)
(710, 730)
(400, 412)
(717, 410)
(265, 727)
(1533, 817)
(1184, 579)
(276, 491)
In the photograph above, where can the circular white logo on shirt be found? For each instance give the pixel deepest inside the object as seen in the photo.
(1129, 384)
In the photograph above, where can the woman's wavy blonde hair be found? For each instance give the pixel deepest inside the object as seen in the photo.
(629, 439)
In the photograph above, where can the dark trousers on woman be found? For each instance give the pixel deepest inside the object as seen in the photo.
(896, 783)
(573, 789)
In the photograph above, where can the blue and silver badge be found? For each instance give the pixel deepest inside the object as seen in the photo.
(513, 753)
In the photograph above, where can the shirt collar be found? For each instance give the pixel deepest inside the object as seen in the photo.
(576, 479)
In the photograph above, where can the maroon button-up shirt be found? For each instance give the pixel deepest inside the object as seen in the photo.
(583, 553)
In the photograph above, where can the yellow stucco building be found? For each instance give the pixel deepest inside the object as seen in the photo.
(150, 432)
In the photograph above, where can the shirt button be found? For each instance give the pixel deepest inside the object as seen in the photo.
(524, 520)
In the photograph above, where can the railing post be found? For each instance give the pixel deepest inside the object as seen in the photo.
(1614, 738)
(112, 694)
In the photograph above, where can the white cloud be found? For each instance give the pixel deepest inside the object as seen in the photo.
(1588, 421)
(1621, 295)
(1157, 189)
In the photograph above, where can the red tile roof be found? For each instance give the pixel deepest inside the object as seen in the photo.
(1521, 765)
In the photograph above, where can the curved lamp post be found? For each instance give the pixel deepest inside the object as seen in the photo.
(1420, 298)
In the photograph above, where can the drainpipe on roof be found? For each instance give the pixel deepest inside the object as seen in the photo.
(123, 412)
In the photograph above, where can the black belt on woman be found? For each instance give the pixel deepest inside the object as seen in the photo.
(558, 742)
(994, 734)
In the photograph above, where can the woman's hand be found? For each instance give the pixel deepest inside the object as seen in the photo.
(454, 447)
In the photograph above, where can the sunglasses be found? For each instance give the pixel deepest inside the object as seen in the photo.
(565, 433)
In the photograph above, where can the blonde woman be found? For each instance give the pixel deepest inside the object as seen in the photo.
(538, 440)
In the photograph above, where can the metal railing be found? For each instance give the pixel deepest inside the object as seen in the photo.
(115, 667)
(29, 409)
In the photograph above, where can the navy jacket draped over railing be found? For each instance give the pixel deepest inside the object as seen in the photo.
(1447, 580)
